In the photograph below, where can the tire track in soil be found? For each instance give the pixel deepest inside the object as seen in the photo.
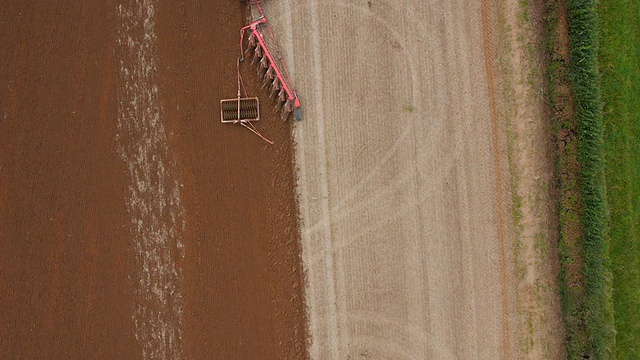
(498, 166)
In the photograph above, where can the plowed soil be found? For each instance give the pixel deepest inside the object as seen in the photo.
(133, 224)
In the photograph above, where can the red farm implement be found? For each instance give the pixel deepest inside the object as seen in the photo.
(271, 64)
(246, 110)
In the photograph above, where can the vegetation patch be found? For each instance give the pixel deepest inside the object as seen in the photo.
(565, 129)
(619, 64)
(575, 99)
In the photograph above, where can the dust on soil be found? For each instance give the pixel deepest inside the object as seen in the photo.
(67, 261)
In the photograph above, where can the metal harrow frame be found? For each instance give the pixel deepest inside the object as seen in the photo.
(275, 70)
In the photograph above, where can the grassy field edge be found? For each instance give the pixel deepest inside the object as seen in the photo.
(585, 284)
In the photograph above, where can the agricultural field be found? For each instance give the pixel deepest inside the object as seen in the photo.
(410, 214)
(425, 179)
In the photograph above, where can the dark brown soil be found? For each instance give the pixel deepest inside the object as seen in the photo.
(66, 259)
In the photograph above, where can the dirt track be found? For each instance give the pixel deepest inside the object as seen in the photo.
(132, 223)
(403, 181)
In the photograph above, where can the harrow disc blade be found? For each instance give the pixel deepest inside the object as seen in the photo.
(254, 58)
(252, 40)
(276, 84)
(271, 73)
(264, 62)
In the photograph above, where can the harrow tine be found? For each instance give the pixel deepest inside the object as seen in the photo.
(285, 111)
(252, 44)
(254, 58)
(270, 72)
(257, 54)
(274, 88)
(264, 62)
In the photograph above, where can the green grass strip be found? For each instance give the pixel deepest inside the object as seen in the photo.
(619, 63)
(583, 47)
(571, 285)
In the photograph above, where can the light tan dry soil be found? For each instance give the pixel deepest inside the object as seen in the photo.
(405, 184)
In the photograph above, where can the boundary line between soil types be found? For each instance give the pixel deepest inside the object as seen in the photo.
(489, 54)
(322, 173)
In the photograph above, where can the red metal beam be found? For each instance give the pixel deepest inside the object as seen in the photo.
(280, 75)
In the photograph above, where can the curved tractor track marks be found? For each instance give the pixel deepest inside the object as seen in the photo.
(157, 216)
(401, 181)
